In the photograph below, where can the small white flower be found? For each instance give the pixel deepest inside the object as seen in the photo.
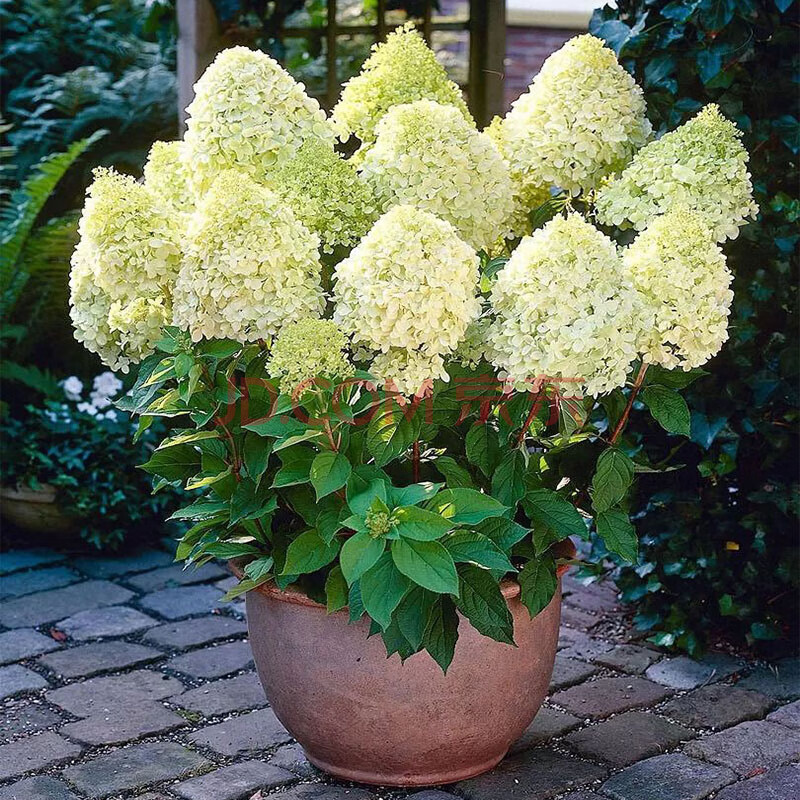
(87, 408)
(72, 387)
(106, 384)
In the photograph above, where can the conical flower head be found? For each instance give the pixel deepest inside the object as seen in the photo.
(410, 284)
(250, 267)
(166, 176)
(248, 114)
(582, 118)
(701, 165)
(565, 311)
(400, 70)
(684, 282)
(426, 154)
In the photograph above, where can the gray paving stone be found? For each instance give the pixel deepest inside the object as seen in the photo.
(583, 796)
(569, 671)
(193, 632)
(37, 609)
(17, 679)
(24, 643)
(628, 658)
(777, 784)
(292, 757)
(316, 791)
(586, 648)
(227, 583)
(683, 672)
(99, 623)
(35, 752)
(595, 597)
(781, 680)
(432, 794)
(548, 724)
(215, 661)
(92, 659)
(133, 768)
(26, 717)
(236, 782)
(569, 636)
(116, 692)
(36, 580)
(788, 715)
(224, 696)
(15, 560)
(175, 575)
(576, 618)
(248, 733)
(718, 706)
(533, 775)
(628, 737)
(607, 696)
(114, 566)
(120, 725)
(40, 788)
(668, 777)
(749, 746)
(183, 601)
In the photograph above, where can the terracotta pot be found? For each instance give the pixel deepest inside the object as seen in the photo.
(366, 718)
(36, 510)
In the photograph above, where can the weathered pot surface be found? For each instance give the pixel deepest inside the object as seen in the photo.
(366, 718)
(36, 510)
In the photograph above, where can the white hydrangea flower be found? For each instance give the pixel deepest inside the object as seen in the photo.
(410, 284)
(248, 114)
(475, 346)
(138, 324)
(582, 118)
(408, 372)
(683, 278)
(73, 387)
(107, 384)
(701, 165)
(250, 266)
(426, 154)
(565, 310)
(166, 176)
(400, 70)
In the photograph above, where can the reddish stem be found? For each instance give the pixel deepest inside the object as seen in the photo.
(535, 406)
(637, 384)
(415, 461)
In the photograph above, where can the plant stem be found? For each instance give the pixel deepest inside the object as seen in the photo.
(637, 384)
(415, 460)
(535, 406)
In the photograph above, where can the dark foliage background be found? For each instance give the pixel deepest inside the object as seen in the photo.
(720, 535)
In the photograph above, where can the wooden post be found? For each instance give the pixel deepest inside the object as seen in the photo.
(487, 23)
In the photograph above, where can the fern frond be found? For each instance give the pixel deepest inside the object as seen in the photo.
(39, 380)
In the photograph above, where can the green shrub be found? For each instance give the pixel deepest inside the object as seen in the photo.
(719, 535)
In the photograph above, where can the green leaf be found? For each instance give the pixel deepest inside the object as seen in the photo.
(474, 547)
(358, 554)
(413, 613)
(412, 495)
(395, 642)
(482, 448)
(355, 603)
(329, 472)
(672, 378)
(174, 464)
(551, 510)
(504, 532)
(417, 523)
(278, 426)
(201, 509)
(308, 553)
(483, 604)
(455, 475)
(250, 500)
(361, 493)
(336, 592)
(619, 535)
(441, 633)
(232, 549)
(466, 506)
(187, 438)
(668, 408)
(538, 583)
(613, 476)
(508, 481)
(256, 453)
(260, 568)
(389, 434)
(295, 471)
(382, 587)
(428, 564)
(219, 348)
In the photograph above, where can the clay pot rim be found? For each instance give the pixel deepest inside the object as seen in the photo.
(509, 587)
(45, 494)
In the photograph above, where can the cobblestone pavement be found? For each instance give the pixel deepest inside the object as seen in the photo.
(127, 678)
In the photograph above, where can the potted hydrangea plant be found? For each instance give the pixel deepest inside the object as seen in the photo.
(400, 381)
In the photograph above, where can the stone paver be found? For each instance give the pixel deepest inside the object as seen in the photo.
(133, 767)
(313, 791)
(16, 679)
(749, 746)
(214, 662)
(609, 696)
(777, 784)
(194, 632)
(568, 671)
(583, 796)
(586, 648)
(92, 659)
(548, 724)
(432, 794)
(596, 597)
(175, 575)
(36, 580)
(25, 559)
(668, 777)
(576, 618)
(98, 623)
(248, 733)
(115, 565)
(536, 774)
(41, 788)
(183, 601)
(35, 752)
(718, 706)
(37, 609)
(781, 680)
(24, 718)
(120, 725)
(628, 737)
(24, 643)
(223, 696)
(788, 715)
(628, 658)
(292, 757)
(235, 782)
(117, 692)
(683, 672)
